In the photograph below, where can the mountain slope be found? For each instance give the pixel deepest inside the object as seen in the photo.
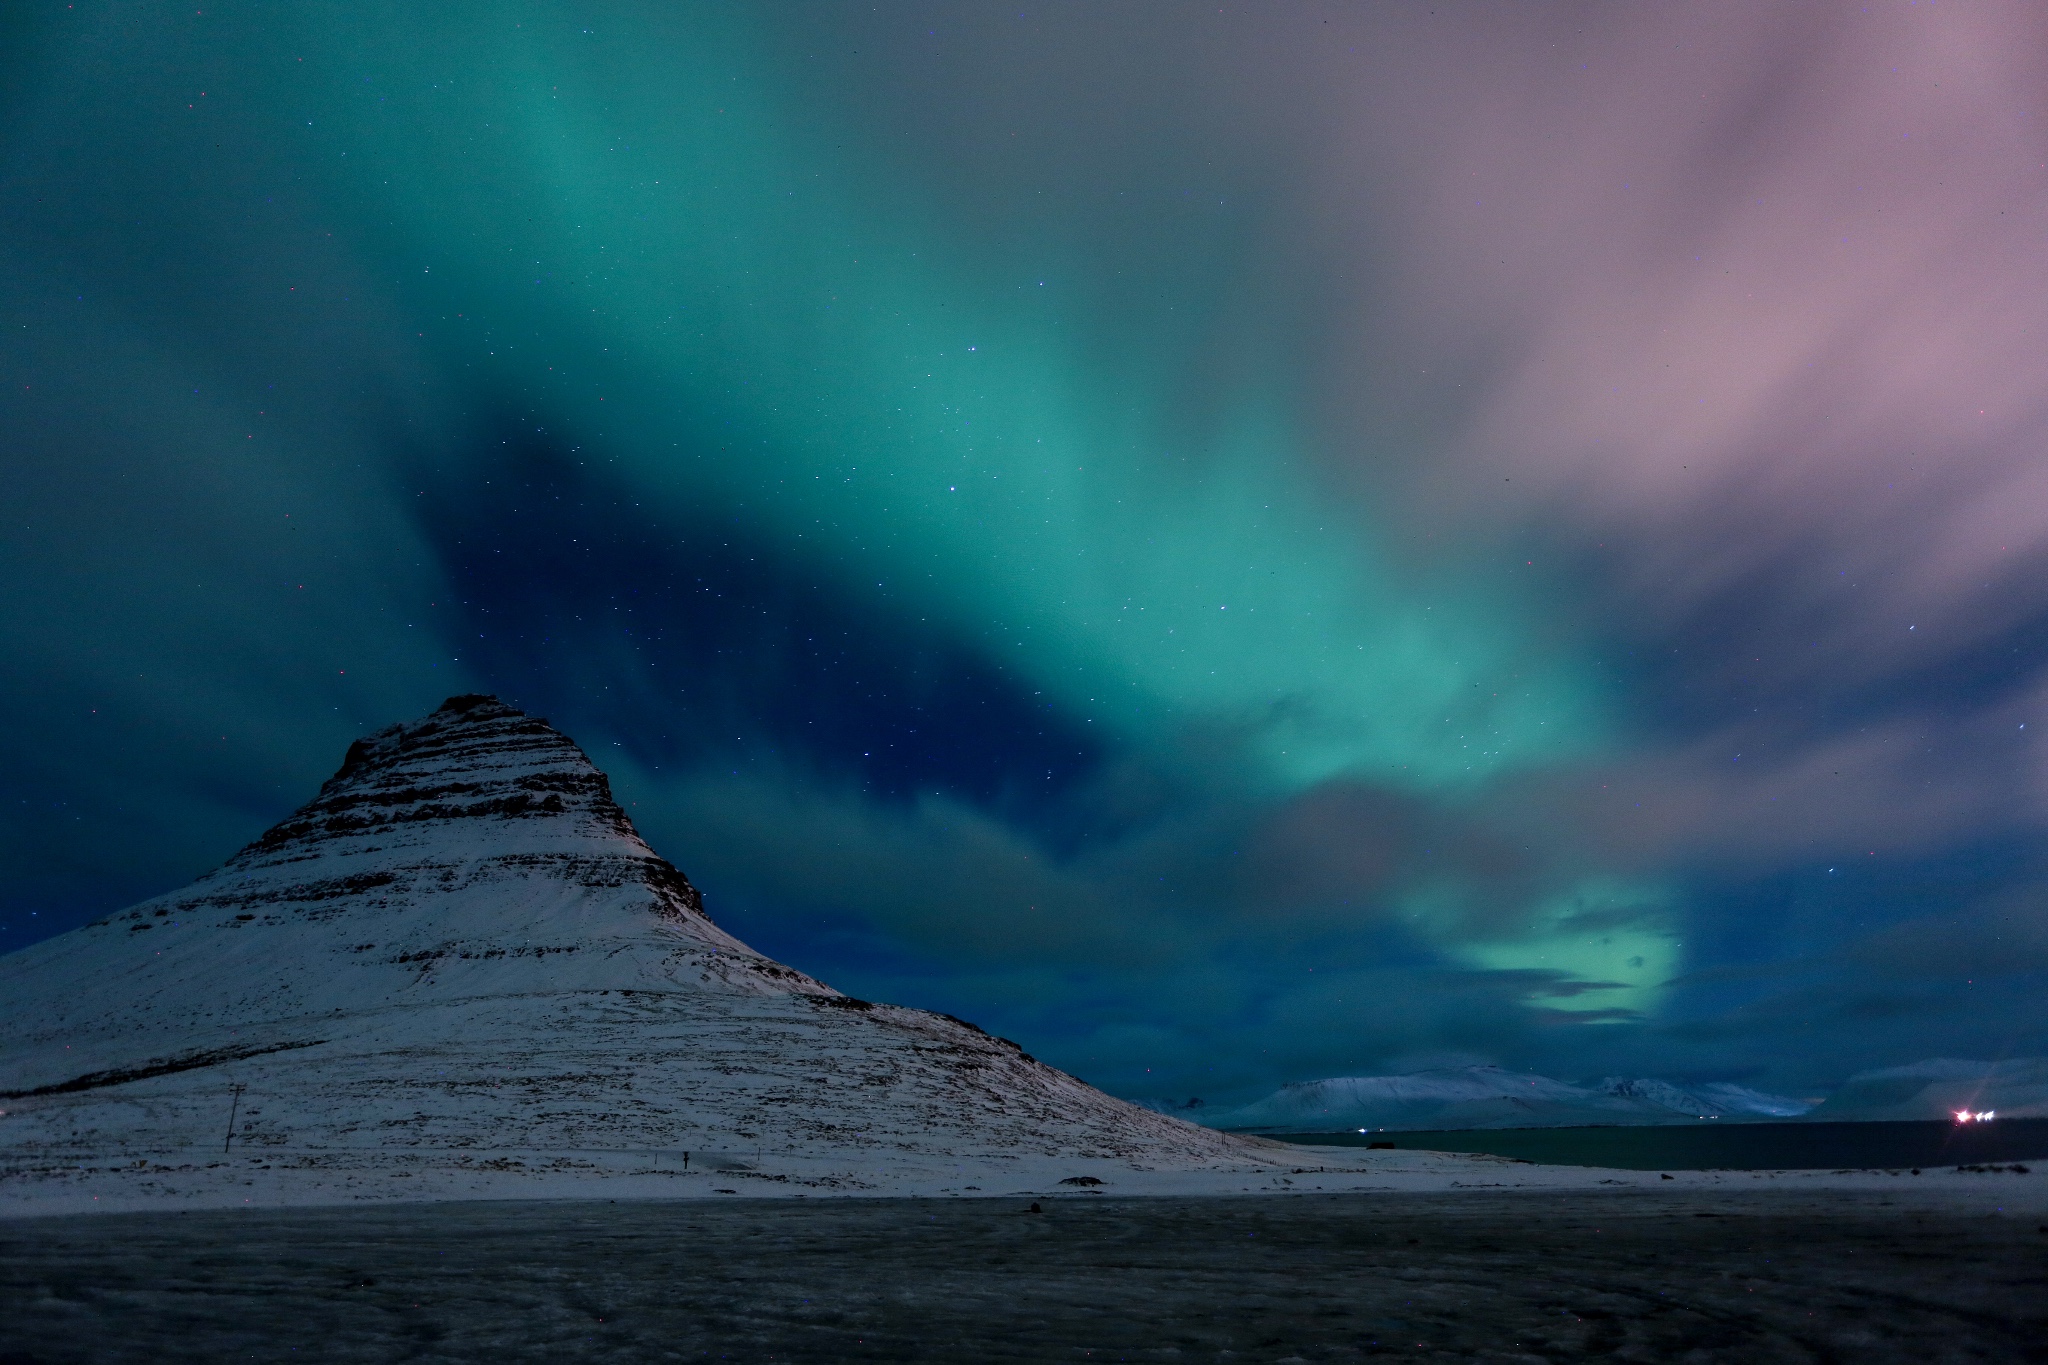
(1707, 1100)
(460, 952)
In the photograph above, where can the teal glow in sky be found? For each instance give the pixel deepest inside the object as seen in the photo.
(1230, 548)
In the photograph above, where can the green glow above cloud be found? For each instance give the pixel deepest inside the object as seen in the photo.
(1610, 935)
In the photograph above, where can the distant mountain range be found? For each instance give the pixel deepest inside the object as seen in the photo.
(2013, 1089)
(1489, 1097)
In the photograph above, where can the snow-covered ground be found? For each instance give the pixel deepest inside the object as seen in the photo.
(1759, 1272)
(314, 1177)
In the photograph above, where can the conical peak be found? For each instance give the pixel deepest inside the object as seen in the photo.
(478, 834)
(465, 732)
(462, 771)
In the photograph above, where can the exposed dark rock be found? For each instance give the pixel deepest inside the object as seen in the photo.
(191, 1061)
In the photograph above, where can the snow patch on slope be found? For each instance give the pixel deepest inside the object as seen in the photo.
(1710, 1099)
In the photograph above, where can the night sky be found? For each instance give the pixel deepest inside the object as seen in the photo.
(1228, 544)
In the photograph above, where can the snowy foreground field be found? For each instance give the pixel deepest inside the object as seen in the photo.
(1951, 1267)
(284, 1178)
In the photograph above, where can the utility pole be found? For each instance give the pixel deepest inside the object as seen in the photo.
(233, 1109)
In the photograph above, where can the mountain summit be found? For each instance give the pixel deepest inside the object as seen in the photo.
(459, 965)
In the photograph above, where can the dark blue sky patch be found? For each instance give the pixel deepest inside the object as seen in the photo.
(701, 643)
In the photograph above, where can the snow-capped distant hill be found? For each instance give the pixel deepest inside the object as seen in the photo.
(1937, 1089)
(460, 954)
(1488, 1097)
(1712, 1099)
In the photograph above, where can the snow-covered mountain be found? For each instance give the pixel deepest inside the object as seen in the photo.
(1936, 1089)
(458, 956)
(1488, 1097)
(1706, 1100)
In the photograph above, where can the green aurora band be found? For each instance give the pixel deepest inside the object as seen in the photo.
(632, 237)
(647, 249)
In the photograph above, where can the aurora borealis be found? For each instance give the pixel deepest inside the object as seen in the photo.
(1228, 547)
